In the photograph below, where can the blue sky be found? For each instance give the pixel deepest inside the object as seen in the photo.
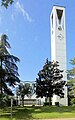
(27, 25)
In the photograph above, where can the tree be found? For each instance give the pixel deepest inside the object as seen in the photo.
(6, 3)
(71, 83)
(24, 89)
(8, 69)
(50, 81)
(3, 100)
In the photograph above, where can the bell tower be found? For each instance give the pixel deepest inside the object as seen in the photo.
(58, 46)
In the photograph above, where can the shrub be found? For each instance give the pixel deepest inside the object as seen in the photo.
(47, 103)
(72, 101)
(56, 103)
(33, 105)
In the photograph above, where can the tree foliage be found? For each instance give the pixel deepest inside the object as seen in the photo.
(6, 3)
(24, 89)
(71, 82)
(3, 100)
(8, 68)
(50, 81)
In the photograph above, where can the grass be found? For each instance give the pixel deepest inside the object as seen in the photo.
(29, 113)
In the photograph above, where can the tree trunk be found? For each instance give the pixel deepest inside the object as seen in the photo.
(23, 101)
(49, 101)
(46, 99)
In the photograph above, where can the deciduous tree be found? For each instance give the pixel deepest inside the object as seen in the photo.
(50, 81)
(24, 90)
(71, 82)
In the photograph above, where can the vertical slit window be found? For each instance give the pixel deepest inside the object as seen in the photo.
(59, 16)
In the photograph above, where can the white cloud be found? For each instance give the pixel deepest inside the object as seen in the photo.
(21, 9)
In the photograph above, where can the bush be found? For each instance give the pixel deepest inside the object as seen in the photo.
(9, 102)
(47, 103)
(72, 101)
(14, 102)
(56, 103)
(33, 105)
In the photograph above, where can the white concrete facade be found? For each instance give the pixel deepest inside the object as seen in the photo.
(58, 46)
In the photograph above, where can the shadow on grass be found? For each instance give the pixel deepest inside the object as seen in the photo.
(22, 113)
(19, 113)
(52, 109)
(26, 113)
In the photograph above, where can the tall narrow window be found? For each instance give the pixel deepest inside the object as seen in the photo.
(52, 23)
(59, 15)
(52, 20)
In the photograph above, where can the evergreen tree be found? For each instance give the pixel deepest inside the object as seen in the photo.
(6, 3)
(50, 81)
(8, 69)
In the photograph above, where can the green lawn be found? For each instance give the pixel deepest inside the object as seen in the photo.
(28, 113)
